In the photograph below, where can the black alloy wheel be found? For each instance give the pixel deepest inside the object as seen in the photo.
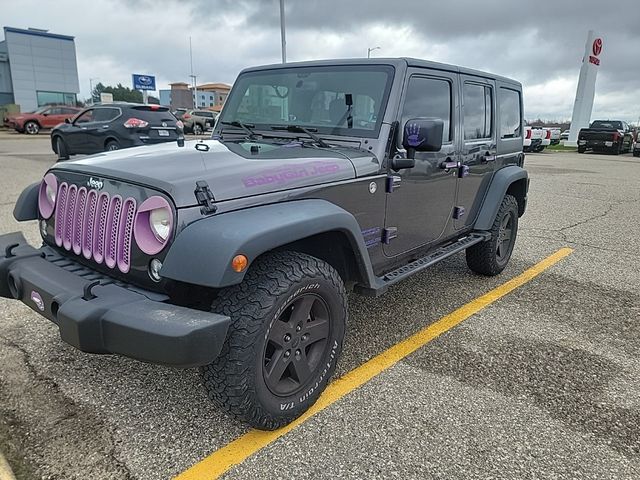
(295, 345)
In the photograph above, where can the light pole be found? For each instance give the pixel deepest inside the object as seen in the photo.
(193, 77)
(91, 88)
(282, 33)
(369, 50)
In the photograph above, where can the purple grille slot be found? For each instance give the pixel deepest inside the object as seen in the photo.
(88, 224)
(100, 227)
(125, 234)
(68, 217)
(111, 235)
(60, 212)
(78, 220)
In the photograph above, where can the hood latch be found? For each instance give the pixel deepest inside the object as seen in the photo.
(204, 196)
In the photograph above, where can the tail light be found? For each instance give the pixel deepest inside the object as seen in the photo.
(186, 116)
(528, 134)
(135, 123)
(548, 134)
(616, 136)
(180, 125)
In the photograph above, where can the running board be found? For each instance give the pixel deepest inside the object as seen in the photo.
(420, 264)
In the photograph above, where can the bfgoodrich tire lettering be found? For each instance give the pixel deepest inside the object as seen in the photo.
(261, 305)
(492, 256)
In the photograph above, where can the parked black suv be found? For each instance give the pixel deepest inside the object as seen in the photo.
(114, 126)
(236, 253)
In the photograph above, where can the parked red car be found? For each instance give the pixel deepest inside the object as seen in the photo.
(44, 117)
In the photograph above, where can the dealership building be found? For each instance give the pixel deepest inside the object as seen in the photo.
(37, 68)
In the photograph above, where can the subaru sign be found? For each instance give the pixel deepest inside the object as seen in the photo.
(143, 82)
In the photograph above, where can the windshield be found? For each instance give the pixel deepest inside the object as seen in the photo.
(607, 124)
(337, 100)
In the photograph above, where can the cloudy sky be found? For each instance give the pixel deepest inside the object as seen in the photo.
(540, 43)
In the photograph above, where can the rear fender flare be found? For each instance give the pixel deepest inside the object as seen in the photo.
(498, 188)
(202, 253)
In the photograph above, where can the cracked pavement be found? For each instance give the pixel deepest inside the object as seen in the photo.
(542, 384)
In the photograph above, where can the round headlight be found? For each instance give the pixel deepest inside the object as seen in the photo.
(160, 223)
(153, 224)
(47, 195)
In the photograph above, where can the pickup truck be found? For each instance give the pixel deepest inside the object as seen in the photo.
(612, 136)
(533, 140)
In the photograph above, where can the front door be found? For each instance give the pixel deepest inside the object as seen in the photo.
(479, 147)
(420, 206)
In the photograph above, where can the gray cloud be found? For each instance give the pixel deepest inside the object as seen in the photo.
(538, 43)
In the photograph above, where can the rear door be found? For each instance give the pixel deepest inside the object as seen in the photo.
(420, 206)
(103, 119)
(479, 148)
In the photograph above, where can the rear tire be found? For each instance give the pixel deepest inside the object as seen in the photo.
(581, 149)
(492, 256)
(197, 129)
(111, 146)
(31, 128)
(275, 364)
(61, 149)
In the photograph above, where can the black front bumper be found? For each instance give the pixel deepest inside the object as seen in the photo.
(107, 317)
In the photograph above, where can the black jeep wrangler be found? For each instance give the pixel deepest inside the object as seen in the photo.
(235, 254)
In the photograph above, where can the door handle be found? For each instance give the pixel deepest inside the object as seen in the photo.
(488, 158)
(448, 164)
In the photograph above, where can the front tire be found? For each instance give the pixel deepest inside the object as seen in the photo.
(288, 322)
(61, 149)
(492, 256)
(31, 128)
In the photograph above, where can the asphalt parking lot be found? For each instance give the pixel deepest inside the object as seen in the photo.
(542, 383)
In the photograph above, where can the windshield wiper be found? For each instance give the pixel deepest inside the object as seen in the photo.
(308, 131)
(244, 126)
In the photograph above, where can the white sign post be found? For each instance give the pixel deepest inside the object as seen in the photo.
(583, 104)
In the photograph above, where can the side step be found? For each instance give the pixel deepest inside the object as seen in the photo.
(416, 266)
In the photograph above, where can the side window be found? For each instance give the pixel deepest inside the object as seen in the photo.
(429, 97)
(478, 111)
(105, 114)
(54, 111)
(510, 113)
(85, 117)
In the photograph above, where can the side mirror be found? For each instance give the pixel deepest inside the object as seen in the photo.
(67, 120)
(422, 135)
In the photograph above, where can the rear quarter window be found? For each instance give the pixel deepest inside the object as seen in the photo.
(510, 113)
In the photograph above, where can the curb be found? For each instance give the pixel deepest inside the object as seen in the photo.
(5, 469)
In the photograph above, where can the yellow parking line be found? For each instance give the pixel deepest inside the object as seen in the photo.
(243, 447)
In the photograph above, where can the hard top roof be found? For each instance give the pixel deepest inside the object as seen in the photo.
(396, 62)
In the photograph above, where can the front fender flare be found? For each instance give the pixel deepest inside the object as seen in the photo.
(26, 207)
(202, 252)
(500, 183)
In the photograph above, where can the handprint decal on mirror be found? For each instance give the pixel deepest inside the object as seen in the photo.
(412, 131)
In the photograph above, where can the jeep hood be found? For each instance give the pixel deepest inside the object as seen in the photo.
(232, 169)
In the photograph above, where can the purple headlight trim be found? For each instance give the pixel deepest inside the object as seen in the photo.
(44, 205)
(145, 238)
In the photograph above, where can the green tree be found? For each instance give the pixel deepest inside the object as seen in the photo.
(120, 93)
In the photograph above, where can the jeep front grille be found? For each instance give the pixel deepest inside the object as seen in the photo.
(95, 225)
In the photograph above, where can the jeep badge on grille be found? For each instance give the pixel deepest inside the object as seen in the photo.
(94, 183)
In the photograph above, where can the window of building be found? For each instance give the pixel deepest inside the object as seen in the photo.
(510, 113)
(55, 98)
(429, 97)
(478, 111)
(211, 104)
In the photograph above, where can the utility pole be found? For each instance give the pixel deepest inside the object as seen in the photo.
(282, 33)
(193, 77)
(369, 50)
(91, 88)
